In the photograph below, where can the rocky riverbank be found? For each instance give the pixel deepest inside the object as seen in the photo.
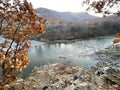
(103, 76)
(111, 50)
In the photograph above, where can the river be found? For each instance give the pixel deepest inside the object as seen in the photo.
(78, 53)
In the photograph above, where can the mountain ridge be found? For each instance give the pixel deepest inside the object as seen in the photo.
(54, 16)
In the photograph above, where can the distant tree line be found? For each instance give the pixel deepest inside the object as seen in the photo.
(80, 30)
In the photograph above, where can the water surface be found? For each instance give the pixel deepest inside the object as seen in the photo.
(80, 53)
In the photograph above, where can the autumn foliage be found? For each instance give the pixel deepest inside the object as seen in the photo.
(117, 40)
(18, 24)
(104, 7)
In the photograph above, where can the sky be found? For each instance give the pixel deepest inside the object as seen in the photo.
(74, 6)
(59, 5)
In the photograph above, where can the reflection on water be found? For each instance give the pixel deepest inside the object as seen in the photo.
(80, 53)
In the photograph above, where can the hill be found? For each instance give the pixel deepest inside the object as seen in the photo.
(68, 26)
(53, 16)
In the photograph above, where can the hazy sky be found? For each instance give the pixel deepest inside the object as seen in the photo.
(59, 5)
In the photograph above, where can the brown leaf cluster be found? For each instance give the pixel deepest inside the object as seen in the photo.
(103, 6)
(117, 40)
(18, 24)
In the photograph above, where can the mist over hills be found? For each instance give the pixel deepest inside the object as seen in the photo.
(53, 16)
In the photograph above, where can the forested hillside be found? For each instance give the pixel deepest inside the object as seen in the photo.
(78, 30)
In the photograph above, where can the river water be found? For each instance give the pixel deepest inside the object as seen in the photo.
(80, 52)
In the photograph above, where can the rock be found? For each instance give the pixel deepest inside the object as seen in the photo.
(71, 87)
(45, 88)
(91, 69)
(86, 86)
(68, 70)
(62, 77)
(81, 86)
(76, 82)
(76, 69)
(78, 75)
(110, 72)
(111, 50)
(56, 86)
(19, 80)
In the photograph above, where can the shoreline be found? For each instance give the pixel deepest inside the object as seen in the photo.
(72, 40)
